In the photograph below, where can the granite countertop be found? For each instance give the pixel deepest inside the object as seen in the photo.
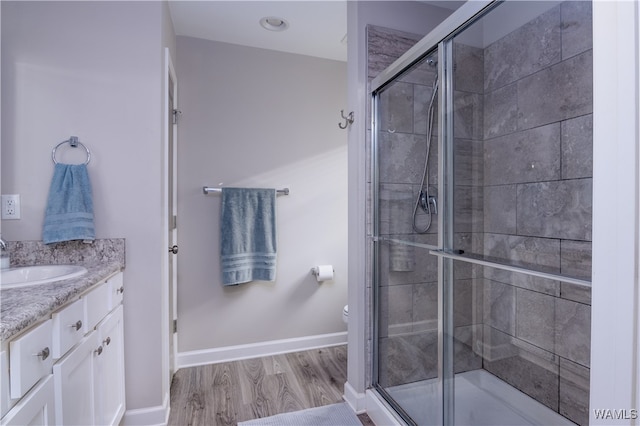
(21, 307)
(24, 306)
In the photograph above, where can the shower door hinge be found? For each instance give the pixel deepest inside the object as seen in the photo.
(176, 112)
(175, 325)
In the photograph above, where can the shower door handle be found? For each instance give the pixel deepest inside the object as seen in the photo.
(173, 249)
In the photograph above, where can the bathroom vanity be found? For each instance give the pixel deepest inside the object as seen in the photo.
(62, 350)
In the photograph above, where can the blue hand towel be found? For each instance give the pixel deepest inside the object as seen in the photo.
(248, 235)
(69, 213)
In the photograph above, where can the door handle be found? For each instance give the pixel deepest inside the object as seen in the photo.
(173, 249)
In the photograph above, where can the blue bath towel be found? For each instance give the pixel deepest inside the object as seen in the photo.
(248, 235)
(69, 213)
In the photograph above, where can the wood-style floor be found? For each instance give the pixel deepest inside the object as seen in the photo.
(232, 392)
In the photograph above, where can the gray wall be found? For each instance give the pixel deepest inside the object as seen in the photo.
(66, 71)
(255, 117)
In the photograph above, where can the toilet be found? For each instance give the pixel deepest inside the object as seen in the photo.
(345, 314)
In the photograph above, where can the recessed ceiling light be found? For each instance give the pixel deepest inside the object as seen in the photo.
(273, 23)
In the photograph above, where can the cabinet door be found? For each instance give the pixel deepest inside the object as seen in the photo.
(36, 408)
(109, 371)
(73, 378)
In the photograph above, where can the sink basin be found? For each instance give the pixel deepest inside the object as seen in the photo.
(38, 274)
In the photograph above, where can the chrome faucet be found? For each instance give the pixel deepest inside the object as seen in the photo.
(5, 260)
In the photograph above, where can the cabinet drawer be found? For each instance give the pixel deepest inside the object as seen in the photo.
(68, 327)
(37, 408)
(97, 305)
(117, 289)
(30, 358)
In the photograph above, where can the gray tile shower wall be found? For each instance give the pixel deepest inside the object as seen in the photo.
(522, 173)
(537, 141)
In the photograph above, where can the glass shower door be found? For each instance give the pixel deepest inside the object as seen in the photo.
(484, 319)
(406, 226)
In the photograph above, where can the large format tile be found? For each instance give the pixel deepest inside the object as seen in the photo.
(468, 162)
(425, 306)
(535, 318)
(468, 69)
(573, 331)
(467, 354)
(468, 115)
(396, 108)
(500, 209)
(525, 367)
(396, 309)
(577, 28)
(529, 156)
(408, 358)
(423, 267)
(575, 258)
(574, 392)
(577, 147)
(395, 209)
(560, 92)
(528, 49)
(499, 308)
(468, 213)
(540, 253)
(500, 111)
(401, 157)
(384, 46)
(560, 209)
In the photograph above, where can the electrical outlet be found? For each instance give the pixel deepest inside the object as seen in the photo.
(11, 206)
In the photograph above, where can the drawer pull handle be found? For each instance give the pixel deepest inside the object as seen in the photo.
(107, 341)
(99, 350)
(77, 325)
(120, 290)
(44, 354)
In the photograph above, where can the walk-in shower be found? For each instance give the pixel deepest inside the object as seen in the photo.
(481, 218)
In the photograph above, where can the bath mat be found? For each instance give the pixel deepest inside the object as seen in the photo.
(328, 415)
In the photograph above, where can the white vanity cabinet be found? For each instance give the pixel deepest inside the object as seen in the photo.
(80, 381)
(89, 379)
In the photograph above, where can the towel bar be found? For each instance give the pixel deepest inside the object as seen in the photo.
(209, 190)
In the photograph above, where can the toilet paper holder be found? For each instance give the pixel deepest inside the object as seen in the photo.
(323, 272)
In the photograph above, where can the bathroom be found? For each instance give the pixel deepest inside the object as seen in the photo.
(72, 58)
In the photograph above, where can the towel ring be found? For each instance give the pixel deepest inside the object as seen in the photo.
(74, 142)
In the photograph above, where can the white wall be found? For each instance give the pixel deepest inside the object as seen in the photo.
(615, 315)
(255, 117)
(94, 70)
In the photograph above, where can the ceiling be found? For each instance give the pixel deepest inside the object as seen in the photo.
(316, 28)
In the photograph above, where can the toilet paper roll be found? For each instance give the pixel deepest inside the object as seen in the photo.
(323, 272)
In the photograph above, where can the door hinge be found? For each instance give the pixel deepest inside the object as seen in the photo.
(174, 219)
(175, 325)
(176, 112)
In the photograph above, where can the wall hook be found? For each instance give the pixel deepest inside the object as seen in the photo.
(347, 119)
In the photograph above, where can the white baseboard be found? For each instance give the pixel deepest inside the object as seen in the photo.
(379, 412)
(356, 400)
(151, 416)
(254, 350)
